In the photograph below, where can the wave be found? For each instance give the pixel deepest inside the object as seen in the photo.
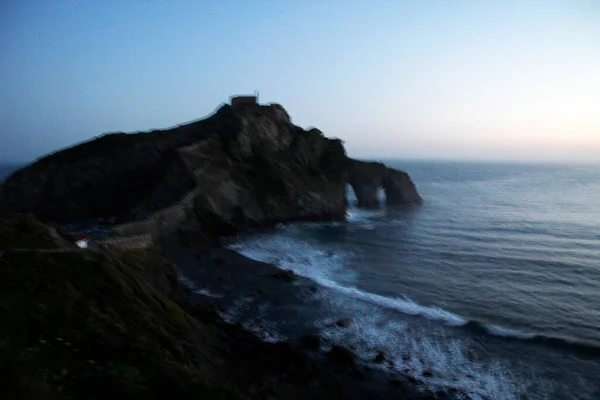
(407, 306)
(437, 360)
(409, 349)
(206, 292)
(581, 348)
(506, 332)
(186, 282)
(189, 284)
(329, 269)
(358, 215)
(410, 352)
(404, 305)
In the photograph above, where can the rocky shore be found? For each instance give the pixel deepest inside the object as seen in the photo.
(244, 167)
(222, 270)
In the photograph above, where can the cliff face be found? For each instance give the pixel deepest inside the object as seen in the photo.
(243, 166)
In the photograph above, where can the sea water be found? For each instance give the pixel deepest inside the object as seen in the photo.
(491, 288)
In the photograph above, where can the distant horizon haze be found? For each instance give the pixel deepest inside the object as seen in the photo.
(462, 80)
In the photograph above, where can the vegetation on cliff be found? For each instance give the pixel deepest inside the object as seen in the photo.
(85, 325)
(23, 231)
(79, 324)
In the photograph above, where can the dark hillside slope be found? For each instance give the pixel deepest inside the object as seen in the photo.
(78, 324)
(83, 325)
(86, 325)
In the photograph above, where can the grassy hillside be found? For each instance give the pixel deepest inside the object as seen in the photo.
(85, 325)
(79, 324)
(23, 231)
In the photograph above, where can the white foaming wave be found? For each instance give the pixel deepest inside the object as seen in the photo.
(362, 215)
(263, 328)
(188, 283)
(370, 219)
(322, 265)
(206, 292)
(264, 331)
(411, 351)
(505, 332)
(267, 330)
(185, 281)
(328, 269)
(405, 305)
(231, 315)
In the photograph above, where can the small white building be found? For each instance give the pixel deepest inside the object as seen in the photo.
(81, 241)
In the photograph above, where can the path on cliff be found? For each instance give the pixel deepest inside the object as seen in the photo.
(59, 240)
(41, 251)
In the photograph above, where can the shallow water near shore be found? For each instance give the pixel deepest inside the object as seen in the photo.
(491, 289)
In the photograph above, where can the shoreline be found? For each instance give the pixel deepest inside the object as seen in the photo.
(242, 276)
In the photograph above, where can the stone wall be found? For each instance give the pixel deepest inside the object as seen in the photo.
(163, 222)
(136, 228)
(126, 243)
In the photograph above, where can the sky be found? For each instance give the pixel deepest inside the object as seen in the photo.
(462, 80)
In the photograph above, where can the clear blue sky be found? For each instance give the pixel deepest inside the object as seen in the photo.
(481, 79)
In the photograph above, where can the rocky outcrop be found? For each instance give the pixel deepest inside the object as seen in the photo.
(400, 189)
(247, 165)
(241, 167)
(368, 177)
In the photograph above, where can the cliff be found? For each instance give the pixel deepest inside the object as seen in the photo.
(241, 167)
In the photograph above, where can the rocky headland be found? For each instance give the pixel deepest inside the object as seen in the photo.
(245, 166)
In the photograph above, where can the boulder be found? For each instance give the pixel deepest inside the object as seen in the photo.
(358, 375)
(286, 275)
(379, 358)
(341, 356)
(311, 341)
(219, 261)
(344, 323)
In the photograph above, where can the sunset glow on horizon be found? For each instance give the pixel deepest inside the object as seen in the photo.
(489, 80)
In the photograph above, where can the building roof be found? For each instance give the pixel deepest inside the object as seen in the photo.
(80, 236)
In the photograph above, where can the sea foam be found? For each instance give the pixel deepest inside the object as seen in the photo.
(411, 350)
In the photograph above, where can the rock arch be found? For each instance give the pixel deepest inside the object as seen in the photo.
(367, 177)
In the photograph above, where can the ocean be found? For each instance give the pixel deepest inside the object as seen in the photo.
(490, 289)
